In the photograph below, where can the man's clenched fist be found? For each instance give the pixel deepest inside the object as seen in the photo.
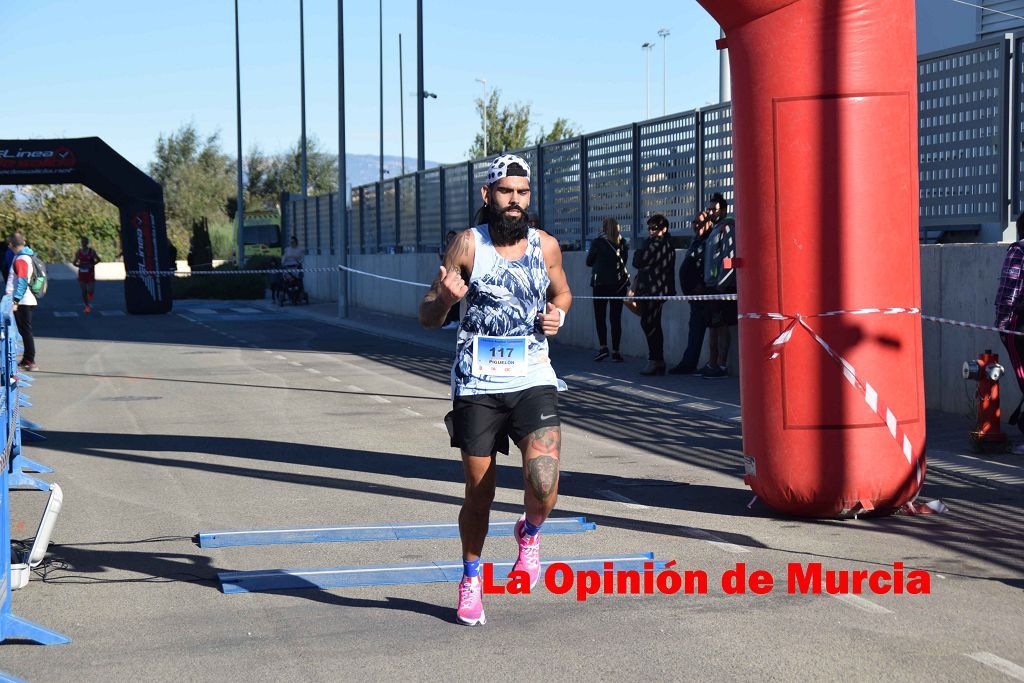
(451, 287)
(551, 319)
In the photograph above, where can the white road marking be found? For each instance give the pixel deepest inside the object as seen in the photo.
(1001, 665)
(267, 351)
(313, 370)
(410, 412)
(628, 502)
(380, 399)
(861, 603)
(65, 314)
(203, 311)
(111, 313)
(245, 310)
(353, 387)
(716, 541)
(333, 379)
(295, 363)
(441, 425)
(280, 357)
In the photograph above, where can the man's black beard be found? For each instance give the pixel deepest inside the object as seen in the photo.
(505, 229)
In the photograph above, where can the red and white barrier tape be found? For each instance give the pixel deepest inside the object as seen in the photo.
(680, 297)
(866, 391)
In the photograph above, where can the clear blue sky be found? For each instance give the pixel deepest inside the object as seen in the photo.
(129, 70)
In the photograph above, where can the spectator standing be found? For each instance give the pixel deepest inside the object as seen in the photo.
(24, 300)
(8, 258)
(691, 280)
(722, 315)
(656, 264)
(85, 260)
(293, 254)
(1010, 310)
(609, 277)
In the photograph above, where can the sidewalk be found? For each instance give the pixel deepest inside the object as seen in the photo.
(949, 449)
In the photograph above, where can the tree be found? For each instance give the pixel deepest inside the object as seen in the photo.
(54, 219)
(285, 173)
(197, 177)
(507, 126)
(561, 130)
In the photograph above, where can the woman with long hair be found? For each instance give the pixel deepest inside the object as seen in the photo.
(607, 259)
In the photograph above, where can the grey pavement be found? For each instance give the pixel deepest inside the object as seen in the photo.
(234, 415)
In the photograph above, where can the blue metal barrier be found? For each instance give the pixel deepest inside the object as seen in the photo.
(12, 627)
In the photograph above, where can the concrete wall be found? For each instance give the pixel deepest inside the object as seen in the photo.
(958, 282)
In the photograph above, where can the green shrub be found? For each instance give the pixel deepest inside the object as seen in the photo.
(220, 286)
(222, 240)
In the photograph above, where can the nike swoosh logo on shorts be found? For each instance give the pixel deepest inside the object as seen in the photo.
(547, 417)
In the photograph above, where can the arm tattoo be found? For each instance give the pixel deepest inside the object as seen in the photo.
(543, 476)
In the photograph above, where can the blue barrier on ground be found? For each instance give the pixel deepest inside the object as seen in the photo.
(384, 575)
(12, 627)
(376, 532)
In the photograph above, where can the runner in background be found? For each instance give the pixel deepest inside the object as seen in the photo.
(85, 260)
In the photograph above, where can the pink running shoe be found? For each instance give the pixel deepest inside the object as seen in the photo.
(471, 606)
(529, 553)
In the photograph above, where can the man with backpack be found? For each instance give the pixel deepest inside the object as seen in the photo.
(718, 279)
(85, 260)
(25, 282)
(691, 280)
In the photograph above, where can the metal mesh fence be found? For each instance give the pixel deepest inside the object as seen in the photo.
(407, 212)
(370, 223)
(610, 180)
(962, 133)
(430, 210)
(355, 226)
(672, 165)
(716, 152)
(456, 197)
(562, 191)
(668, 169)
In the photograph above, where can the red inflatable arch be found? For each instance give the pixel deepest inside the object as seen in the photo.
(825, 140)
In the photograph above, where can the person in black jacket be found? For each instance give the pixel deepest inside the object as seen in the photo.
(691, 280)
(607, 259)
(656, 267)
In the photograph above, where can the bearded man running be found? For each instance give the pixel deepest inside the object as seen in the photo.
(503, 385)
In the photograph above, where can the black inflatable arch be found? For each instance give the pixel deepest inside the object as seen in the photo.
(139, 198)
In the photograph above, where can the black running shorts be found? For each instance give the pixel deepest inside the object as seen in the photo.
(483, 424)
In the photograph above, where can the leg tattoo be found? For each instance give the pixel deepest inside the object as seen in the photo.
(546, 440)
(543, 476)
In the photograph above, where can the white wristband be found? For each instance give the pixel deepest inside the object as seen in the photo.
(561, 316)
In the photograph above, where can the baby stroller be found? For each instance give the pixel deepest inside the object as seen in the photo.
(292, 289)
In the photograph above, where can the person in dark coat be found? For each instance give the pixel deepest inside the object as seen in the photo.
(607, 259)
(656, 267)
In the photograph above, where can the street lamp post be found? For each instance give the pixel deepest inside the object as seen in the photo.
(401, 101)
(483, 111)
(647, 91)
(302, 90)
(343, 238)
(664, 33)
(380, 26)
(240, 208)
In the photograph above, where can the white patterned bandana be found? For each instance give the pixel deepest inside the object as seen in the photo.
(499, 167)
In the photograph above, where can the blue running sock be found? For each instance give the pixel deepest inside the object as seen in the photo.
(471, 568)
(530, 529)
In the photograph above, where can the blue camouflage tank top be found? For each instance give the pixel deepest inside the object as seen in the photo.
(505, 299)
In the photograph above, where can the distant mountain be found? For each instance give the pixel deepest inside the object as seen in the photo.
(362, 169)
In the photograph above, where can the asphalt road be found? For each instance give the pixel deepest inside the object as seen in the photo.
(226, 417)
